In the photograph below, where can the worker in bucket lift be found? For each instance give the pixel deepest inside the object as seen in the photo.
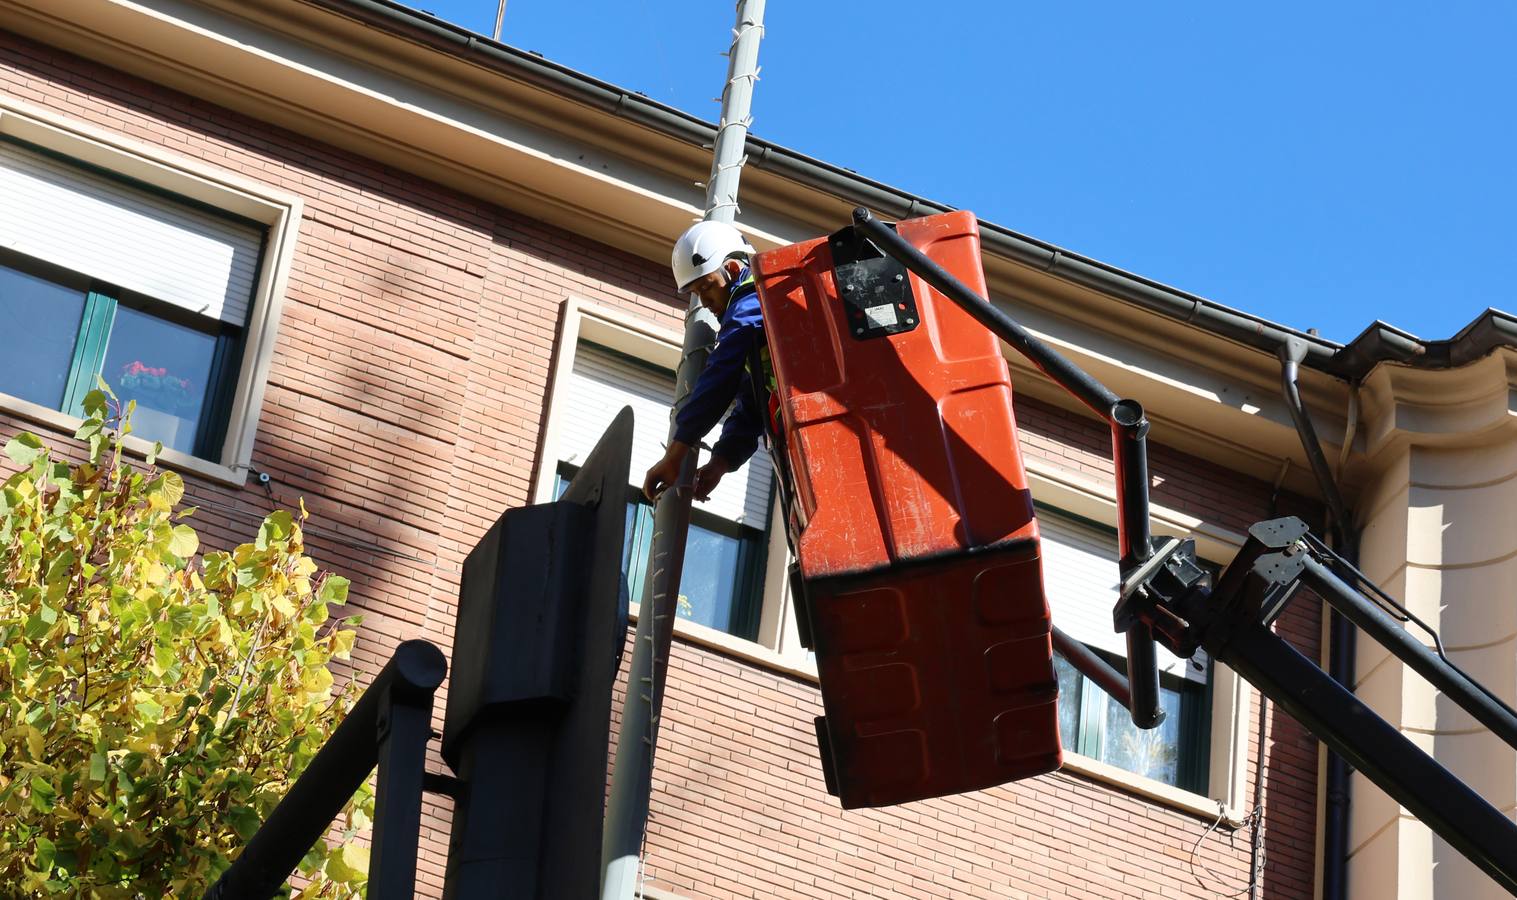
(710, 260)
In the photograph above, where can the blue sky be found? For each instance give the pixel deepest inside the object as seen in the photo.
(1320, 164)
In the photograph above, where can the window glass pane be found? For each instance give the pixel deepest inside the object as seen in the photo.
(638, 544)
(1154, 752)
(713, 590)
(1069, 703)
(40, 324)
(708, 586)
(164, 366)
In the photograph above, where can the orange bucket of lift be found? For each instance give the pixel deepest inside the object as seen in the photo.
(918, 580)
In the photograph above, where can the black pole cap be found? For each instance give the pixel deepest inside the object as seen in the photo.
(419, 668)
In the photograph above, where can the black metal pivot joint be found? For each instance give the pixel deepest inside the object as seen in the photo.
(1233, 625)
(1129, 430)
(1153, 593)
(389, 727)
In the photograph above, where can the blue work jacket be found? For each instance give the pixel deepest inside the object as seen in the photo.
(727, 382)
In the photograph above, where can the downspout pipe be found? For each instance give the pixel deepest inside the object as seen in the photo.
(1291, 353)
(1341, 643)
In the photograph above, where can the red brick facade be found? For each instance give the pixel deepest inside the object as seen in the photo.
(406, 406)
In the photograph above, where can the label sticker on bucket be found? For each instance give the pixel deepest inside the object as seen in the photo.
(881, 316)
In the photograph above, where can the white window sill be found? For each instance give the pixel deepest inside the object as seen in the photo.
(1130, 782)
(741, 648)
(650, 892)
(136, 446)
(1151, 789)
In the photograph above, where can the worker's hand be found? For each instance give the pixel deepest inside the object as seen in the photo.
(665, 472)
(707, 477)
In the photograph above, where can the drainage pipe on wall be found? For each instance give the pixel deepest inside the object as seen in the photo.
(1341, 642)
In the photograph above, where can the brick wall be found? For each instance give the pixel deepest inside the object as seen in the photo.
(405, 406)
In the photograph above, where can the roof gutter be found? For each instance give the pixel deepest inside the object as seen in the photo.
(1239, 326)
(1379, 343)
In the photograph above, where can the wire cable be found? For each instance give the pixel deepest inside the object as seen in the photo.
(1255, 820)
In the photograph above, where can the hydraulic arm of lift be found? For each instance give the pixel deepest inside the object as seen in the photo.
(1167, 597)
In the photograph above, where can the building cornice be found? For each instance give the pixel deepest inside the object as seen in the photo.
(594, 161)
(1460, 406)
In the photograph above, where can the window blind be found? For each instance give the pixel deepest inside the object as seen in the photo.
(131, 238)
(602, 382)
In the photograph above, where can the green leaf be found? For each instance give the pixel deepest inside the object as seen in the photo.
(149, 710)
(97, 402)
(47, 851)
(153, 451)
(244, 820)
(36, 628)
(334, 589)
(348, 864)
(43, 794)
(181, 618)
(61, 566)
(89, 428)
(97, 767)
(165, 658)
(172, 487)
(183, 542)
(24, 448)
(276, 527)
(342, 644)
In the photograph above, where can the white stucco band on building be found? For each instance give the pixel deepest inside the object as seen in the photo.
(1438, 477)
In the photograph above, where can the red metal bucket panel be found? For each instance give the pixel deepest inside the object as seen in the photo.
(937, 678)
(902, 446)
(914, 532)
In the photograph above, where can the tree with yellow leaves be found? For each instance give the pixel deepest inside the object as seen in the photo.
(154, 706)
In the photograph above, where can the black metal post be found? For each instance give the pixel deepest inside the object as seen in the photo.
(405, 727)
(1129, 430)
(402, 693)
(542, 621)
(1143, 676)
(1095, 668)
(1374, 621)
(1412, 778)
(1129, 450)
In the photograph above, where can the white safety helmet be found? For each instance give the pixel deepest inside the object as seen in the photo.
(703, 248)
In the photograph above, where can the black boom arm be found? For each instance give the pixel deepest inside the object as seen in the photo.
(1167, 597)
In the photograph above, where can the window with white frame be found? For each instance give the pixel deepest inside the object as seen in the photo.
(102, 277)
(722, 583)
(1081, 578)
